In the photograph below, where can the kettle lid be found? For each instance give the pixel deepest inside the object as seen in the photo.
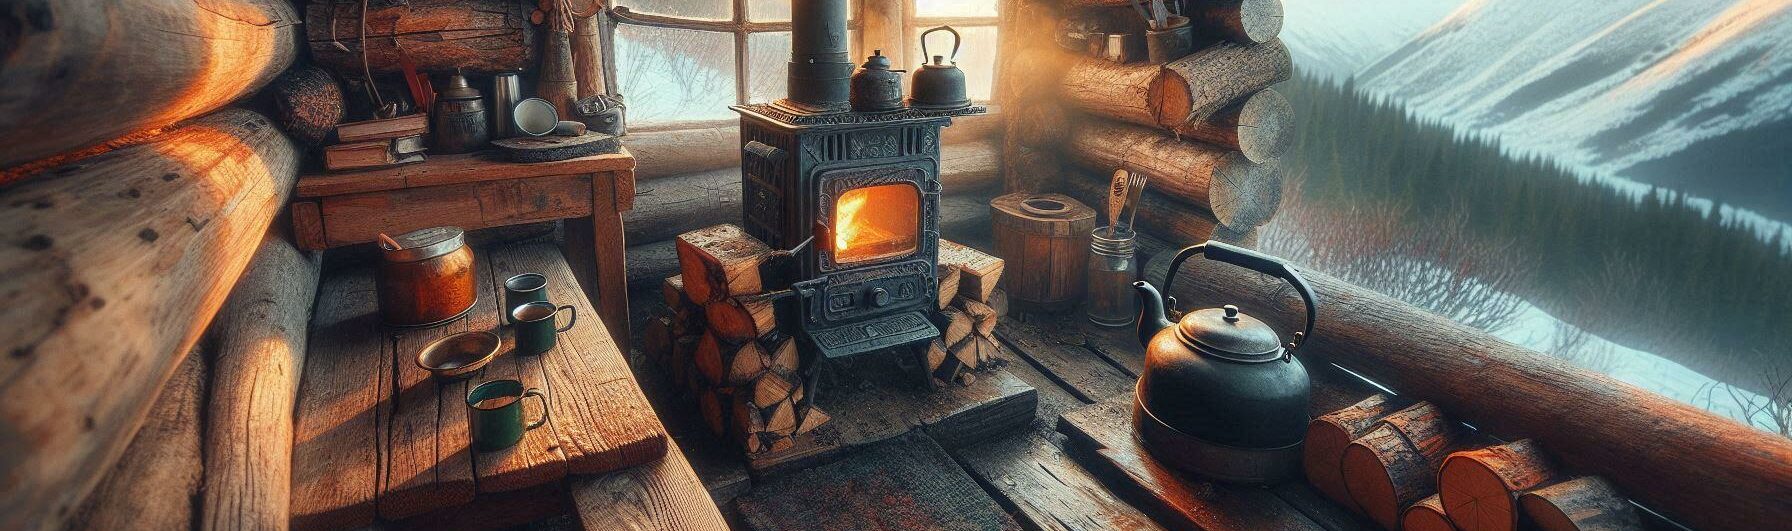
(877, 61)
(458, 89)
(1229, 334)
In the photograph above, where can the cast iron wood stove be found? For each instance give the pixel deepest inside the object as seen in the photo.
(856, 194)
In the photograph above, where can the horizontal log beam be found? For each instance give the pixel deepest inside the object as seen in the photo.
(434, 35)
(119, 265)
(1244, 21)
(1704, 470)
(1178, 223)
(1261, 126)
(1239, 193)
(1191, 89)
(76, 74)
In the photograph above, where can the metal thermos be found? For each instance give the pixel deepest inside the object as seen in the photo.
(1113, 267)
(507, 89)
(459, 120)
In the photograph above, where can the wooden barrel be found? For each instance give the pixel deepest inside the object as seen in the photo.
(1044, 239)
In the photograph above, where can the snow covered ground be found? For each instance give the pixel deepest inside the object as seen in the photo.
(1337, 38)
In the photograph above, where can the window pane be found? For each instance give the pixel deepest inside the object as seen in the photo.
(675, 75)
(768, 11)
(702, 9)
(977, 57)
(768, 57)
(955, 8)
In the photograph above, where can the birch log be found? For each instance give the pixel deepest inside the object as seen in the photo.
(1704, 470)
(153, 486)
(74, 74)
(1238, 192)
(113, 269)
(259, 338)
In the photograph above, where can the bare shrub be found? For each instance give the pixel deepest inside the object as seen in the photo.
(1439, 267)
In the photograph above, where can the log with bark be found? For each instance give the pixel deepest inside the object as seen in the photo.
(75, 74)
(1112, 90)
(155, 482)
(1693, 466)
(1194, 88)
(485, 36)
(120, 263)
(721, 262)
(1261, 126)
(736, 319)
(259, 340)
(1178, 223)
(1480, 488)
(308, 105)
(1327, 436)
(1240, 21)
(1587, 503)
(1426, 515)
(1395, 463)
(1239, 193)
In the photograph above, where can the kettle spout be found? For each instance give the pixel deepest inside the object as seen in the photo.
(1152, 316)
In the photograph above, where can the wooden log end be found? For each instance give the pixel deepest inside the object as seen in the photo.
(1327, 437)
(1581, 504)
(1479, 488)
(1245, 194)
(1426, 515)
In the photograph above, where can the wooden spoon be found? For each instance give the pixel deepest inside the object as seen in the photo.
(1117, 192)
(389, 243)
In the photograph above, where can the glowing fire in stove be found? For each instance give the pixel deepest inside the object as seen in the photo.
(848, 218)
(888, 228)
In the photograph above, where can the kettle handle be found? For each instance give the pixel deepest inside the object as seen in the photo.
(1252, 260)
(957, 40)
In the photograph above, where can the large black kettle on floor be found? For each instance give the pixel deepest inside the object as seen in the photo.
(1221, 395)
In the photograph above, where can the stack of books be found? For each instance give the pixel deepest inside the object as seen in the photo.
(378, 143)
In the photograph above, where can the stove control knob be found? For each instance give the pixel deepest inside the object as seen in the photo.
(880, 297)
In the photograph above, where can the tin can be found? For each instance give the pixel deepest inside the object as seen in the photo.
(427, 279)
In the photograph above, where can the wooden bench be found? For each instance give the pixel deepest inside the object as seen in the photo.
(377, 438)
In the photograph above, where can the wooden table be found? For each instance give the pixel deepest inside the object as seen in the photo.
(375, 435)
(477, 191)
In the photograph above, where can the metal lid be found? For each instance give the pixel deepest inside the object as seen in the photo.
(425, 244)
(877, 61)
(1226, 333)
(458, 89)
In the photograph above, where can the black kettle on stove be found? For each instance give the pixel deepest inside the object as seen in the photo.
(940, 85)
(1220, 395)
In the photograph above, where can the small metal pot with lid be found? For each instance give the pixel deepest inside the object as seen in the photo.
(459, 119)
(425, 277)
(1221, 395)
(875, 87)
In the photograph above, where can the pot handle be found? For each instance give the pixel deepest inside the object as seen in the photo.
(956, 41)
(1252, 260)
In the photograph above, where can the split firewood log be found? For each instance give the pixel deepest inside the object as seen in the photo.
(1327, 436)
(780, 418)
(785, 360)
(932, 357)
(983, 317)
(721, 262)
(1238, 192)
(748, 363)
(812, 418)
(975, 352)
(715, 415)
(747, 423)
(1426, 515)
(684, 352)
(1395, 463)
(1480, 488)
(1261, 126)
(1196, 87)
(1588, 503)
(741, 318)
(978, 271)
(958, 326)
(711, 360)
(948, 274)
(770, 390)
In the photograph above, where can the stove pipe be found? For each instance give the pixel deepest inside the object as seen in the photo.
(820, 69)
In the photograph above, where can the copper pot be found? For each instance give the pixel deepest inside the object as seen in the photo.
(425, 277)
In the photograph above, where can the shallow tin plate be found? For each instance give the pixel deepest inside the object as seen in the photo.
(460, 355)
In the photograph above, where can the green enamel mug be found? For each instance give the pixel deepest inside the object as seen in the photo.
(534, 324)
(498, 413)
(524, 289)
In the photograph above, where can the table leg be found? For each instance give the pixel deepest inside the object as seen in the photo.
(599, 254)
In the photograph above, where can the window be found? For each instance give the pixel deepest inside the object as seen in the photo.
(688, 60)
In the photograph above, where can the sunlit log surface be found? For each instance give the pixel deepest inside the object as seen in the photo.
(482, 36)
(258, 341)
(1702, 469)
(113, 269)
(75, 74)
(153, 485)
(1239, 193)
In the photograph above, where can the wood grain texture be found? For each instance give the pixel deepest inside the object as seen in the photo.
(1328, 435)
(360, 218)
(1688, 468)
(1479, 488)
(721, 262)
(978, 272)
(1110, 90)
(335, 455)
(152, 64)
(1048, 254)
(665, 495)
(1240, 21)
(1068, 365)
(457, 169)
(1587, 503)
(153, 485)
(1426, 515)
(1101, 436)
(259, 338)
(905, 483)
(426, 455)
(1193, 88)
(1261, 126)
(437, 35)
(1239, 193)
(114, 269)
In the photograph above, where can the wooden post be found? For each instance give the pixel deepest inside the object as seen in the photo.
(76, 74)
(259, 338)
(153, 485)
(1239, 193)
(1587, 503)
(1479, 488)
(1694, 466)
(120, 264)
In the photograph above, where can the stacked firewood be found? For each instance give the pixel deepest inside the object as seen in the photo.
(1206, 127)
(970, 307)
(1414, 468)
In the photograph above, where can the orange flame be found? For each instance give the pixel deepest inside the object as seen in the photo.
(847, 226)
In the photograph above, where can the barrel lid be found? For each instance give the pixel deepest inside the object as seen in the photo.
(1054, 215)
(425, 244)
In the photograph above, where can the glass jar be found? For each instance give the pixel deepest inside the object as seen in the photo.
(1113, 266)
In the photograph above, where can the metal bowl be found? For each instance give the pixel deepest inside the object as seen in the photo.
(460, 355)
(535, 117)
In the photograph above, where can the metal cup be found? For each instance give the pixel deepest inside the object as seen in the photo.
(497, 411)
(507, 89)
(524, 289)
(534, 322)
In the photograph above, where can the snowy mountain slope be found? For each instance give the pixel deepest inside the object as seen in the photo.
(1671, 92)
(1336, 38)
